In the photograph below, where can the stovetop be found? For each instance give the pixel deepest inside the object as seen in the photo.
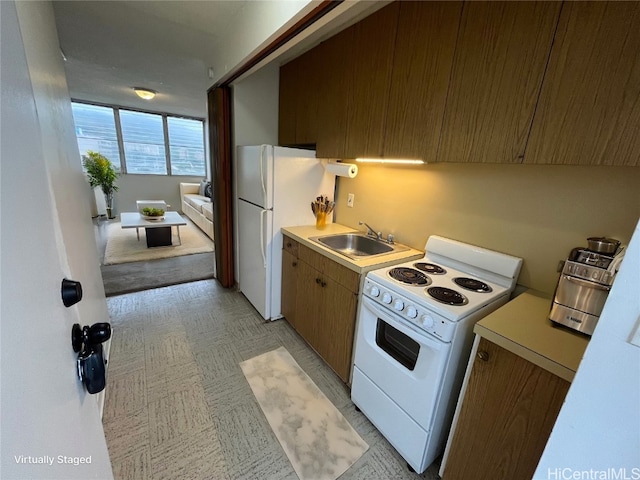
(441, 288)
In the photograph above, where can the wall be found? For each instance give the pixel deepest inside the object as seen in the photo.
(537, 212)
(46, 235)
(252, 29)
(598, 426)
(255, 121)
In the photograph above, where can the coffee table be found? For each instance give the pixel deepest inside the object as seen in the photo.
(158, 232)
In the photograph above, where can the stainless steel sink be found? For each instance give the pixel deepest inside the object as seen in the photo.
(357, 245)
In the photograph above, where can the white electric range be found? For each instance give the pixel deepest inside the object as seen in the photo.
(414, 335)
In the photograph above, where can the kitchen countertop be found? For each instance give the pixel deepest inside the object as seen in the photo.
(366, 264)
(522, 327)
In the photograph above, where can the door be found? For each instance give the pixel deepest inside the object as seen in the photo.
(500, 59)
(510, 406)
(254, 174)
(253, 255)
(589, 107)
(46, 414)
(404, 363)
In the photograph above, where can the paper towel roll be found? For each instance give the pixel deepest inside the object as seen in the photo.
(342, 169)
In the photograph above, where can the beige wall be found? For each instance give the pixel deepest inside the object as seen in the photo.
(537, 212)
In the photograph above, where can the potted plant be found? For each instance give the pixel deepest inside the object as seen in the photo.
(101, 173)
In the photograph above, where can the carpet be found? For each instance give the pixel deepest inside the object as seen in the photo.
(317, 439)
(123, 246)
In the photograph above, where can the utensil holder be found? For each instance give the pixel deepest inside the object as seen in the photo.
(321, 220)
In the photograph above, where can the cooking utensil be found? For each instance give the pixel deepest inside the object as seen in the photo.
(322, 204)
(603, 245)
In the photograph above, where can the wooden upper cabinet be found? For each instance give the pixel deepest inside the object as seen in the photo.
(288, 92)
(372, 60)
(422, 63)
(334, 63)
(501, 54)
(589, 108)
(298, 100)
(309, 78)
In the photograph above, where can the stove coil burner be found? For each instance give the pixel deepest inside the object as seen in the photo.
(473, 285)
(447, 296)
(409, 276)
(431, 268)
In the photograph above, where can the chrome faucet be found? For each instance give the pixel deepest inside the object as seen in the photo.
(371, 232)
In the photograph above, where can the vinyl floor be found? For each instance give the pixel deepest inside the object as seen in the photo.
(178, 406)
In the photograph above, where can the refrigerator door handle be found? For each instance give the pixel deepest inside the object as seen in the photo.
(264, 189)
(262, 248)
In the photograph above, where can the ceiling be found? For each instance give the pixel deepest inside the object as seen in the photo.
(111, 46)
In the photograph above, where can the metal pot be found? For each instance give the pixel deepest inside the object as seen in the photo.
(603, 245)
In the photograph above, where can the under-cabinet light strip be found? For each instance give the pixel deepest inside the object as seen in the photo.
(390, 160)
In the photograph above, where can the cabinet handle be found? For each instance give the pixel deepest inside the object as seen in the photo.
(289, 244)
(482, 355)
(318, 281)
(294, 264)
(323, 284)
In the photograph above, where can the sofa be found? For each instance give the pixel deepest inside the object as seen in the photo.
(197, 206)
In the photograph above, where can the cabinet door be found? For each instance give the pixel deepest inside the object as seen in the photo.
(506, 417)
(334, 59)
(421, 69)
(289, 286)
(289, 89)
(589, 108)
(309, 303)
(309, 77)
(335, 338)
(501, 53)
(373, 47)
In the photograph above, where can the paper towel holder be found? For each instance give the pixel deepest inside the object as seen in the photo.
(341, 169)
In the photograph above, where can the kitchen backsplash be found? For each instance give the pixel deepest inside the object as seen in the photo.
(537, 212)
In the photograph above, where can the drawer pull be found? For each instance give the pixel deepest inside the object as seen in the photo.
(482, 355)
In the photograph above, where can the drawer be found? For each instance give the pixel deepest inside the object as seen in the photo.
(339, 273)
(314, 259)
(290, 245)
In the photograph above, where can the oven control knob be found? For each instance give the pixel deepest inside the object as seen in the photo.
(426, 320)
(375, 291)
(398, 305)
(412, 312)
(386, 298)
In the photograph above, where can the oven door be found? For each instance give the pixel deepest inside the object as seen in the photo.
(404, 362)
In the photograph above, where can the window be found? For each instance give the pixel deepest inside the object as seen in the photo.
(96, 131)
(140, 142)
(143, 139)
(186, 147)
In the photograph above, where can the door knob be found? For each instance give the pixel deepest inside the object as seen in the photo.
(482, 355)
(91, 364)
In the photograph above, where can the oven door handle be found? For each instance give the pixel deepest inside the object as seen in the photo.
(585, 283)
(408, 330)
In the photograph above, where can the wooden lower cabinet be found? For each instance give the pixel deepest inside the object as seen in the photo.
(319, 299)
(510, 406)
(289, 279)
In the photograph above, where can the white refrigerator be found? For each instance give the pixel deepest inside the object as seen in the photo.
(274, 187)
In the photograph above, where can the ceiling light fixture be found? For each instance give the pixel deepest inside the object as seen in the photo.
(403, 161)
(145, 93)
